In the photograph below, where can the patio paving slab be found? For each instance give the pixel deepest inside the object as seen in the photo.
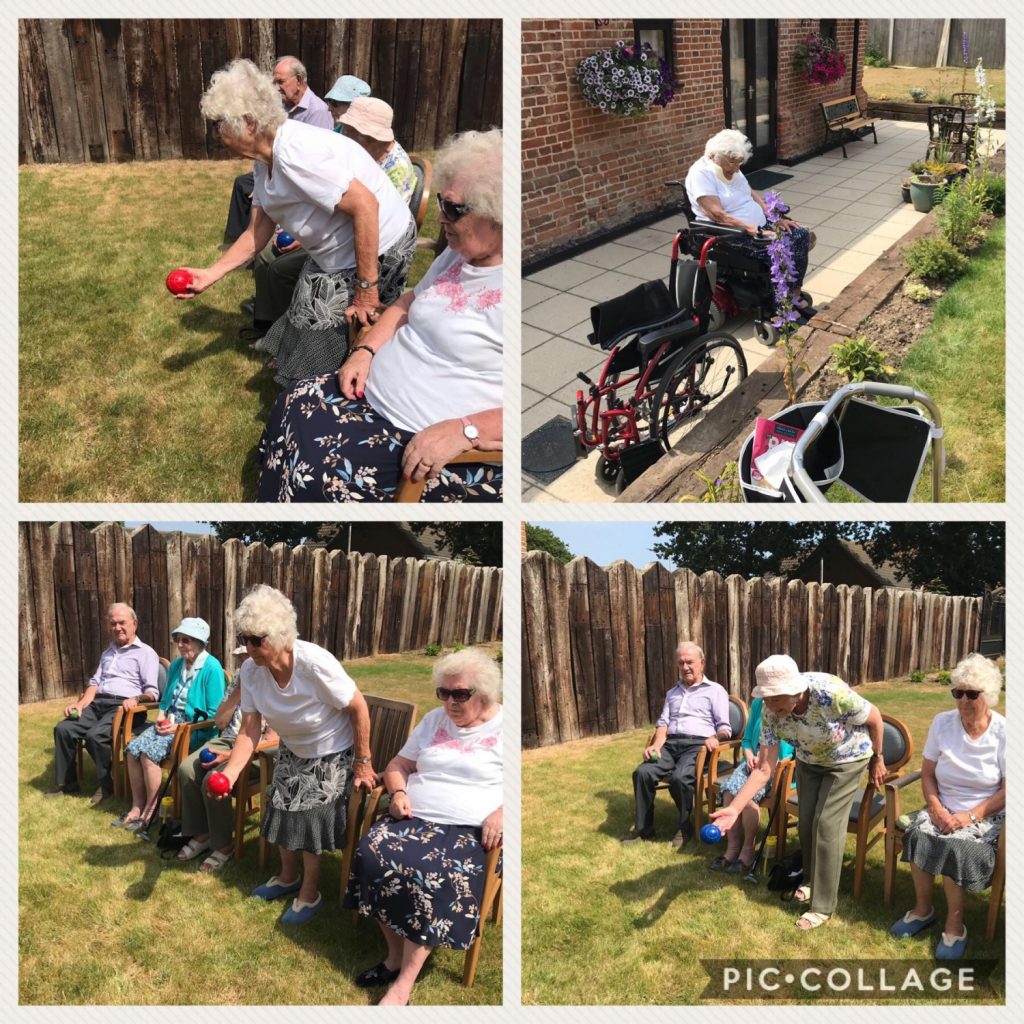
(534, 293)
(606, 286)
(555, 314)
(608, 256)
(562, 276)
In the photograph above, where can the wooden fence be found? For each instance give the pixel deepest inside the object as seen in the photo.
(599, 644)
(354, 605)
(924, 43)
(114, 89)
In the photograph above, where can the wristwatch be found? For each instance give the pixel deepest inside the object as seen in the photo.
(361, 760)
(364, 284)
(971, 815)
(471, 433)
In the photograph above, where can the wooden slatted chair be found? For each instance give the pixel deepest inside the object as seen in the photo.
(408, 491)
(121, 732)
(490, 908)
(894, 847)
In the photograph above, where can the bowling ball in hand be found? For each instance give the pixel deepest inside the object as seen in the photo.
(284, 240)
(218, 784)
(179, 281)
(710, 834)
(206, 756)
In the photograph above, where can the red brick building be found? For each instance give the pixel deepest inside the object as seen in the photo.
(586, 172)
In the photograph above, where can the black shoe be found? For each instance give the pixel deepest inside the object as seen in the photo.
(249, 307)
(635, 838)
(63, 791)
(376, 976)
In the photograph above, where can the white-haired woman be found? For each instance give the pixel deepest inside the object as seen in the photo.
(419, 874)
(963, 776)
(195, 687)
(305, 695)
(719, 193)
(425, 384)
(333, 198)
(835, 734)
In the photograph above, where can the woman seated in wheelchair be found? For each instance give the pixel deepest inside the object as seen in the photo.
(419, 873)
(963, 776)
(195, 683)
(720, 194)
(424, 384)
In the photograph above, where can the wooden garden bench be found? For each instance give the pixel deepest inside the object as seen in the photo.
(845, 122)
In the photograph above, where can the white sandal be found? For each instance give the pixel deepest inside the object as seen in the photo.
(215, 861)
(806, 921)
(193, 848)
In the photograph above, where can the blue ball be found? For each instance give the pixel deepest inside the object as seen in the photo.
(206, 756)
(284, 240)
(710, 834)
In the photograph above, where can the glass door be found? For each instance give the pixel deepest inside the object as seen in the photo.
(749, 50)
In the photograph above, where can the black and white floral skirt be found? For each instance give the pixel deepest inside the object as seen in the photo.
(967, 856)
(312, 337)
(307, 802)
(420, 879)
(319, 446)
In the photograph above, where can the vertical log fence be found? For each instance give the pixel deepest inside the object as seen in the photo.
(599, 643)
(355, 605)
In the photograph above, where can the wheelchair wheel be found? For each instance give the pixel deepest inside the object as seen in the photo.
(766, 333)
(696, 380)
(716, 317)
(608, 469)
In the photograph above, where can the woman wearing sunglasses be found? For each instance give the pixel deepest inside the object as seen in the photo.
(419, 874)
(305, 695)
(333, 198)
(424, 384)
(963, 776)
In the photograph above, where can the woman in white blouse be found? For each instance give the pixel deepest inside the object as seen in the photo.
(963, 776)
(419, 874)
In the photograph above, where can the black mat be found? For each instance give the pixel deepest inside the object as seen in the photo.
(549, 450)
(765, 179)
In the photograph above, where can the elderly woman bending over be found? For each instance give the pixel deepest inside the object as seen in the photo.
(963, 776)
(324, 726)
(836, 734)
(425, 384)
(333, 198)
(720, 194)
(420, 874)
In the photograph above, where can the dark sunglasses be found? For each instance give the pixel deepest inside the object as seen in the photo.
(459, 696)
(452, 211)
(969, 694)
(244, 638)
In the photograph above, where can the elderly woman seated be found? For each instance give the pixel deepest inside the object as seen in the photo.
(425, 384)
(963, 776)
(331, 196)
(419, 874)
(720, 194)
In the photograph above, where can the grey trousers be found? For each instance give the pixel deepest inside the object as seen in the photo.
(199, 812)
(825, 794)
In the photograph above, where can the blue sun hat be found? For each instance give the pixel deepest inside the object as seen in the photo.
(198, 629)
(347, 88)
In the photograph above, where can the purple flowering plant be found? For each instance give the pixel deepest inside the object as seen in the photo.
(783, 271)
(817, 60)
(626, 80)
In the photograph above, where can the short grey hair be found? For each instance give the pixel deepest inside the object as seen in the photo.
(474, 159)
(731, 143)
(240, 92)
(265, 611)
(690, 643)
(297, 68)
(122, 604)
(483, 670)
(976, 672)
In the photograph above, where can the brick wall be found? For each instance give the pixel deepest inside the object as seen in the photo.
(585, 172)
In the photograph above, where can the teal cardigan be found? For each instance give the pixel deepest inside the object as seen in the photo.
(752, 733)
(205, 694)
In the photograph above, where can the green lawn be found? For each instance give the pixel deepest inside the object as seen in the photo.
(605, 924)
(941, 83)
(104, 921)
(127, 394)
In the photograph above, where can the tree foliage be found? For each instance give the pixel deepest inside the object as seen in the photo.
(475, 543)
(539, 538)
(269, 533)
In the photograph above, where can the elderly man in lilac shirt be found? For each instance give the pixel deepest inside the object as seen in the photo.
(695, 715)
(128, 670)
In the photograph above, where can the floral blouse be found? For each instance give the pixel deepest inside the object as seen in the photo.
(831, 731)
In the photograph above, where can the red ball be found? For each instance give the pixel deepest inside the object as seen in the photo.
(218, 783)
(179, 281)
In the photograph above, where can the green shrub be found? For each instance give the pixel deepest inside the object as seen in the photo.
(432, 650)
(918, 93)
(917, 677)
(917, 291)
(995, 193)
(942, 678)
(858, 359)
(934, 259)
(942, 100)
(917, 167)
(457, 645)
(500, 656)
(960, 213)
(874, 57)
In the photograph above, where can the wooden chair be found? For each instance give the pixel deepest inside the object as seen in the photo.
(490, 907)
(894, 847)
(964, 99)
(412, 492)
(420, 198)
(949, 133)
(867, 815)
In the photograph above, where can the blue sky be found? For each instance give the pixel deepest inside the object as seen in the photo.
(191, 527)
(604, 543)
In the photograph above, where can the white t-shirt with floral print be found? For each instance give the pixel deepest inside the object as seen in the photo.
(831, 731)
(458, 778)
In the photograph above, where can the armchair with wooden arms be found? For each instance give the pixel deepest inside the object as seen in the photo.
(124, 727)
(894, 832)
(708, 760)
(409, 491)
(490, 908)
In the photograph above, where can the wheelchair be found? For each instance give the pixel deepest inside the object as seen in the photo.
(740, 283)
(665, 370)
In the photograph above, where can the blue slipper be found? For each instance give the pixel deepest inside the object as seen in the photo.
(273, 890)
(951, 950)
(904, 929)
(307, 913)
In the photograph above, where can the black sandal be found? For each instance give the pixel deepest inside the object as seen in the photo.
(377, 975)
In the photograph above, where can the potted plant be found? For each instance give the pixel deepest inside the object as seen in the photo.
(924, 190)
(917, 167)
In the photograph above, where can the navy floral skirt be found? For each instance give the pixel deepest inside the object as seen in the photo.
(420, 879)
(319, 446)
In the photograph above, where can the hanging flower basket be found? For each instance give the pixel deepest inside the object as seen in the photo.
(817, 60)
(626, 80)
